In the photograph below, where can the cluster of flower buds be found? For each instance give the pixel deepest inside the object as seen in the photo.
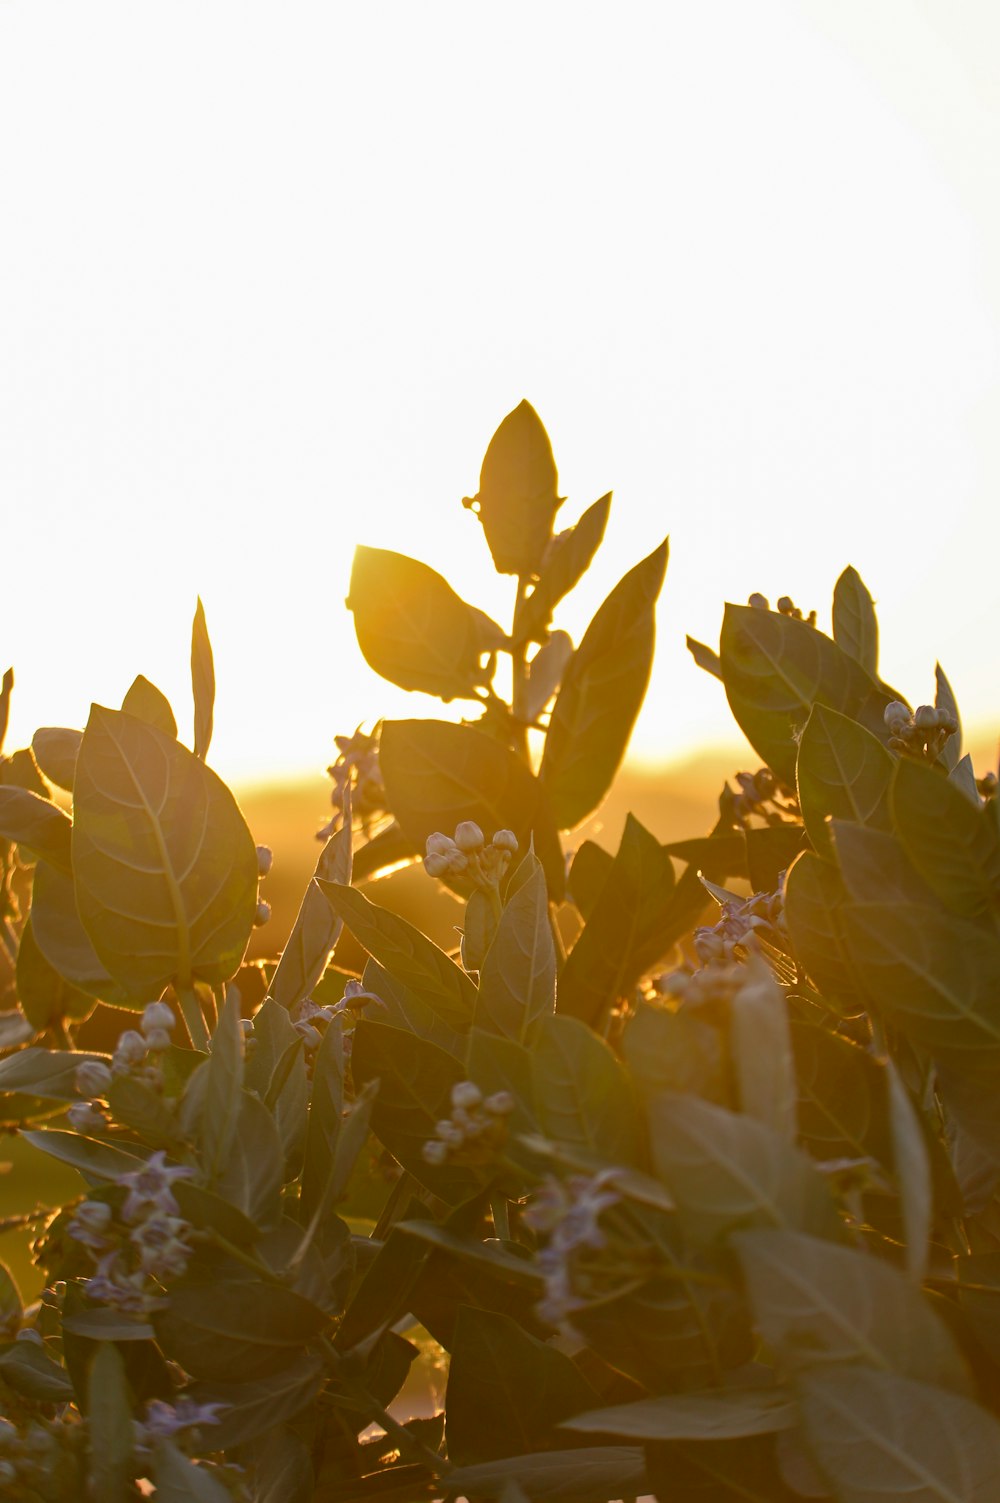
(356, 771)
(265, 857)
(136, 1053)
(146, 1248)
(922, 734)
(467, 855)
(760, 795)
(476, 1130)
(35, 1459)
(568, 1213)
(786, 607)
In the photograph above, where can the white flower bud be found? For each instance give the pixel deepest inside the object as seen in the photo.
(28, 1333)
(925, 718)
(157, 1015)
(469, 837)
(436, 864)
(262, 915)
(434, 1152)
(92, 1078)
(896, 714)
(439, 845)
(500, 1104)
(131, 1048)
(265, 856)
(465, 1094)
(759, 601)
(158, 1039)
(246, 1027)
(82, 1117)
(506, 840)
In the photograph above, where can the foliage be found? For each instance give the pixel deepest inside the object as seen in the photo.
(725, 1231)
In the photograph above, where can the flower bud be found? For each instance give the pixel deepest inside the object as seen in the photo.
(436, 864)
(468, 836)
(439, 845)
(157, 1015)
(158, 1039)
(82, 1117)
(131, 1048)
(500, 1104)
(92, 1078)
(786, 605)
(465, 1094)
(759, 601)
(896, 714)
(925, 718)
(28, 1333)
(265, 856)
(262, 915)
(434, 1152)
(506, 840)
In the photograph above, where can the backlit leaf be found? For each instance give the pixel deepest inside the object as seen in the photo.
(63, 941)
(110, 1427)
(146, 702)
(316, 928)
(55, 748)
(517, 498)
(517, 981)
(855, 625)
(567, 559)
(37, 824)
(583, 1095)
(954, 846)
(944, 699)
(841, 770)
(202, 682)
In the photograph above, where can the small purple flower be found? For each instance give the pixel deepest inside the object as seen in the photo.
(163, 1420)
(150, 1187)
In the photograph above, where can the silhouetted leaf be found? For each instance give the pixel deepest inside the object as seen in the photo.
(581, 1091)
(842, 770)
(517, 981)
(517, 498)
(955, 847)
(250, 1409)
(414, 630)
(146, 702)
(37, 824)
(215, 1327)
(31, 1372)
(566, 560)
(855, 625)
(705, 657)
(55, 748)
(588, 874)
(722, 1471)
(159, 899)
(6, 686)
(944, 699)
(771, 851)
(202, 682)
(316, 928)
(602, 691)
(775, 669)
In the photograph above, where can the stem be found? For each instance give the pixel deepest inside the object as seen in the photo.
(501, 1216)
(193, 1016)
(519, 679)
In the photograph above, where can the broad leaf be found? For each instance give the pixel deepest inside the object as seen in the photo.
(843, 1107)
(841, 770)
(517, 499)
(706, 657)
(165, 869)
(674, 1051)
(37, 824)
(146, 702)
(250, 1409)
(202, 682)
(588, 875)
(110, 1427)
(602, 691)
(45, 996)
(875, 868)
(587, 1475)
(179, 1480)
(517, 981)
(954, 846)
(216, 1327)
(566, 560)
(55, 749)
(63, 941)
(414, 630)
(714, 1414)
(855, 625)
(762, 1049)
(814, 903)
(582, 1093)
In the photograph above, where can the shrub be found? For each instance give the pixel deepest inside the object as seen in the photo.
(688, 1159)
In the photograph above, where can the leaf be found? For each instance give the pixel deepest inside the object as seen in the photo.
(138, 1106)
(673, 1051)
(215, 1327)
(814, 903)
(317, 927)
(253, 1408)
(724, 1471)
(103, 1324)
(842, 770)
(955, 847)
(582, 1093)
(288, 1098)
(202, 682)
(602, 691)
(63, 941)
(855, 625)
(93, 1159)
(415, 1092)
(705, 657)
(325, 1111)
(161, 901)
(282, 1469)
(933, 975)
(517, 499)
(414, 630)
(963, 776)
(5, 692)
(407, 955)
(628, 928)
(146, 702)
(496, 1063)
(878, 1436)
(37, 824)
(913, 1174)
(31, 1372)
(944, 699)
(567, 558)
(769, 852)
(250, 1175)
(402, 1008)
(44, 995)
(436, 775)
(179, 1480)
(815, 1302)
(588, 875)
(775, 669)
(55, 748)
(585, 1475)
(842, 1108)
(762, 1049)
(727, 1171)
(505, 1388)
(715, 1414)
(11, 1309)
(875, 867)
(221, 1100)
(110, 1426)
(517, 982)
(50, 1073)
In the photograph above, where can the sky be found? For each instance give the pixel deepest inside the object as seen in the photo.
(270, 276)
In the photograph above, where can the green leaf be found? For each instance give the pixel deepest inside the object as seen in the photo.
(94, 1160)
(202, 682)
(726, 1171)
(628, 928)
(517, 982)
(282, 1469)
(714, 1414)
(288, 1097)
(45, 996)
(496, 1063)
(407, 955)
(955, 847)
(602, 691)
(583, 1095)
(706, 657)
(761, 1046)
(325, 1112)
(37, 824)
(415, 1092)
(933, 975)
(402, 1008)
(588, 876)
(436, 775)
(250, 1176)
(161, 901)
(878, 1436)
(814, 903)
(775, 669)
(414, 630)
(316, 928)
(585, 1475)
(842, 770)
(146, 702)
(769, 852)
(815, 1302)
(253, 1408)
(215, 1327)
(142, 1108)
(673, 1051)
(566, 560)
(944, 699)
(110, 1427)
(63, 941)
(179, 1480)
(874, 866)
(50, 1073)
(505, 1389)
(517, 499)
(222, 1098)
(855, 625)
(10, 1301)
(31, 1372)
(913, 1173)
(55, 749)
(842, 1108)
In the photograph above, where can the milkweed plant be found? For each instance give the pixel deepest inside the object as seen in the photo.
(681, 1167)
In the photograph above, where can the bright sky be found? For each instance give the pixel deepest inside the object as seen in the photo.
(270, 276)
